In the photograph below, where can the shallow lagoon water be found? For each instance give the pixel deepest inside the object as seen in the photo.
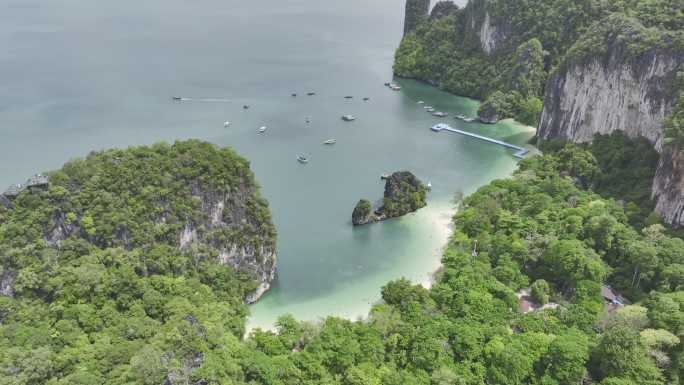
(78, 76)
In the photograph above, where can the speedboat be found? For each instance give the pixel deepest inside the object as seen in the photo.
(226, 123)
(262, 129)
(311, 93)
(302, 159)
(330, 141)
(348, 118)
(440, 114)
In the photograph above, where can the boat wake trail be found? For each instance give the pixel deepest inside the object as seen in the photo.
(206, 100)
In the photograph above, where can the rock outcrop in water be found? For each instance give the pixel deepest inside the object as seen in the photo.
(363, 213)
(404, 193)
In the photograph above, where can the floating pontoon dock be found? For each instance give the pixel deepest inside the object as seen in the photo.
(520, 152)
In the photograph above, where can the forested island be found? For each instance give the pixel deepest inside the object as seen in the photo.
(115, 261)
(404, 193)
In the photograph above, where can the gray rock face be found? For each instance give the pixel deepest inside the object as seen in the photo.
(363, 213)
(668, 187)
(603, 96)
(491, 33)
(7, 279)
(620, 92)
(222, 212)
(5, 202)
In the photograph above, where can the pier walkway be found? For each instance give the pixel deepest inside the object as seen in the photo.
(520, 152)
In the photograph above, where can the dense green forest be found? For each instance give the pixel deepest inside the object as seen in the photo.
(622, 168)
(100, 291)
(93, 312)
(445, 48)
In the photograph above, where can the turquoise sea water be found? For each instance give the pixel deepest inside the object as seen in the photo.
(78, 76)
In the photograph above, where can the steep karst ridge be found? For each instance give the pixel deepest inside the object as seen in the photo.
(416, 11)
(622, 75)
(191, 197)
(598, 67)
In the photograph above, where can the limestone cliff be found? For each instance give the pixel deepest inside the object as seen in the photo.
(222, 212)
(416, 10)
(191, 196)
(491, 32)
(608, 94)
(620, 89)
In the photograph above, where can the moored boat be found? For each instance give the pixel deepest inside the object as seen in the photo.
(440, 114)
(439, 127)
(262, 129)
(330, 141)
(348, 118)
(302, 159)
